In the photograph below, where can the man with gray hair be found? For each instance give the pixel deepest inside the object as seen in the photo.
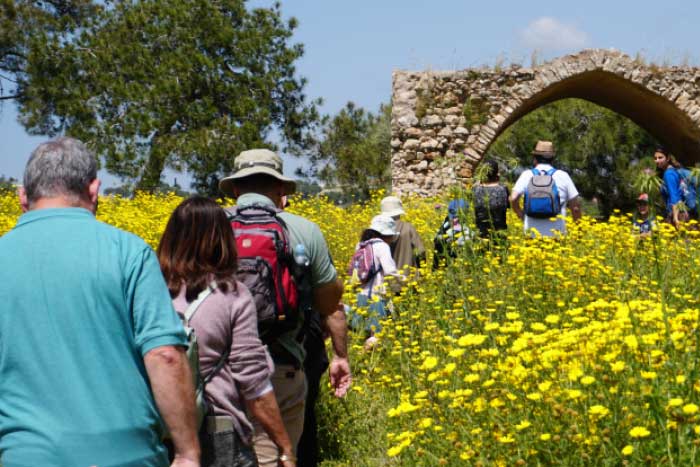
(91, 348)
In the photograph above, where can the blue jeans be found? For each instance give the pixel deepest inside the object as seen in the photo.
(376, 311)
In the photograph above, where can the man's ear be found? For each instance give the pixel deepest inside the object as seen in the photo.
(23, 200)
(94, 191)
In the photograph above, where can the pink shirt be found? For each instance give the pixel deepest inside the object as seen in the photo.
(229, 320)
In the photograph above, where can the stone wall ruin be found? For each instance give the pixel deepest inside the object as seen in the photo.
(444, 122)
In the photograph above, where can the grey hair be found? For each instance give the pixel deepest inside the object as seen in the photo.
(60, 167)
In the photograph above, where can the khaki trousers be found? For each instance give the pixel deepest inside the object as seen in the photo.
(290, 391)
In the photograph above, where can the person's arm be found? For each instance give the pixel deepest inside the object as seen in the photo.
(515, 205)
(382, 255)
(266, 411)
(327, 291)
(575, 206)
(173, 391)
(418, 246)
(251, 370)
(673, 188)
(160, 338)
(339, 369)
(518, 190)
(327, 296)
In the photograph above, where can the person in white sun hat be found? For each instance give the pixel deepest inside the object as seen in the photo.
(408, 250)
(372, 263)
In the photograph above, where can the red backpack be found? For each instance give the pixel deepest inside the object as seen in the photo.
(265, 266)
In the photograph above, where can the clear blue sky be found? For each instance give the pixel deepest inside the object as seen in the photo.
(352, 47)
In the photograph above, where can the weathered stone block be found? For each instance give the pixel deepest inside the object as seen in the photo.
(411, 144)
(429, 144)
(431, 120)
(413, 132)
(452, 119)
(446, 132)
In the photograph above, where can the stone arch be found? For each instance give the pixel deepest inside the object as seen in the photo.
(444, 122)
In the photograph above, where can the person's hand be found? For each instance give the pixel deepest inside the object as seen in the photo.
(181, 461)
(340, 376)
(290, 460)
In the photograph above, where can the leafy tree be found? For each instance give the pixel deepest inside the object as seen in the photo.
(127, 190)
(29, 25)
(307, 188)
(352, 152)
(603, 151)
(185, 84)
(7, 183)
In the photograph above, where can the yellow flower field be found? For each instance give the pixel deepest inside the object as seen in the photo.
(583, 351)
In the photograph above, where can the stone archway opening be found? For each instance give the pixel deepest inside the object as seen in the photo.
(607, 154)
(661, 117)
(444, 122)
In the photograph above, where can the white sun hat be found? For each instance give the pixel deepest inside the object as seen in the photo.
(384, 224)
(392, 206)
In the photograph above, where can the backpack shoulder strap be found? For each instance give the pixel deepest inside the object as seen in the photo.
(551, 171)
(535, 171)
(192, 309)
(230, 212)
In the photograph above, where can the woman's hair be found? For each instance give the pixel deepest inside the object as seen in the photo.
(671, 160)
(369, 234)
(492, 174)
(197, 247)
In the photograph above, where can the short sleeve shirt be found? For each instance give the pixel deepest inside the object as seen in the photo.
(671, 189)
(567, 192)
(301, 231)
(80, 306)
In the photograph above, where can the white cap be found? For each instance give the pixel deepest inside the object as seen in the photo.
(384, 224)
(392, 206)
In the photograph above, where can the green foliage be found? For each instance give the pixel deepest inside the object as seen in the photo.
(7, 184)
(475, 110)
(603, 151)
(423, 101)
(171, 83)
(352, 153)
(128, 190)
(27, 25)
(308, 188)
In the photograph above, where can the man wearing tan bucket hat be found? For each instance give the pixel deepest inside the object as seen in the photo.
(258, 182)
(543, 155)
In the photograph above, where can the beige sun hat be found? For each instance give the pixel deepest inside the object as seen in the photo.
(256, 162)
(544, 149)
(392, 206)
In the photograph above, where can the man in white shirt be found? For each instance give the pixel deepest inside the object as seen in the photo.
(568, 194)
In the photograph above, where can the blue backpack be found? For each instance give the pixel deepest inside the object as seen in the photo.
(688, 186)
(542, 195)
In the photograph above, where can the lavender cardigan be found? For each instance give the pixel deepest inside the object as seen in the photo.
(230, 320)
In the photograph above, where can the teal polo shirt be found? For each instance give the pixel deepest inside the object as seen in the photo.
(81, 303)
(301, 231)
